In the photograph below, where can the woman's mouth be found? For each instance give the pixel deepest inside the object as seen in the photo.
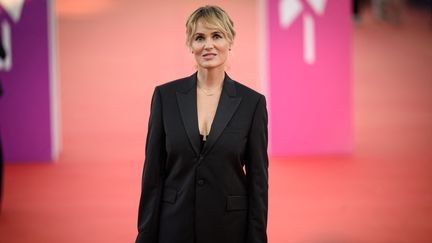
(209, 56)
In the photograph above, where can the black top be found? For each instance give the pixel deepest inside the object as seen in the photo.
(202, 141)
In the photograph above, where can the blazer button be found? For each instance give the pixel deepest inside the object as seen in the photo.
(201, 182)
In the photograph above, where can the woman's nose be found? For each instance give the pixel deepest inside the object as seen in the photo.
(208, 44)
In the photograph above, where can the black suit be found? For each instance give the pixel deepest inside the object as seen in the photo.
(191, 195)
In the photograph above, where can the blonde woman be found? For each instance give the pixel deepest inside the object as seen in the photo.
(205, 176)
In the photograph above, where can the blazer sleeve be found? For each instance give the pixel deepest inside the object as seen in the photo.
(256, 161)
(153, 173)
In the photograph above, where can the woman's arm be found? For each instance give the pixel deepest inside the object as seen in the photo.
(152, 179)
(257, 175)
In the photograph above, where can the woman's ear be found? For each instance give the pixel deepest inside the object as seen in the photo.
(231, 45)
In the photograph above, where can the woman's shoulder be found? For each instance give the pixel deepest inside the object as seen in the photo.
(248, 95)
(244, 90)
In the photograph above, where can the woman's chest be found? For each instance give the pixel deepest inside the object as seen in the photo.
(181, 133)
(206, 111)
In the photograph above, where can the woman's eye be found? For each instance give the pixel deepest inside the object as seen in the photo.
(217, 36)
(199, 38)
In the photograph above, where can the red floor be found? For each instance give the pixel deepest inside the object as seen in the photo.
(381, 193)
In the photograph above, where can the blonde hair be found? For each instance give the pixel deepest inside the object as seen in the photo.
(213, 16)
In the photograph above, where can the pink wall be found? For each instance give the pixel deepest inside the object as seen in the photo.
(310, 89)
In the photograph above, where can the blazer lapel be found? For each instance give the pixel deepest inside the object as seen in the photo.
(187, 102)
(228, 104)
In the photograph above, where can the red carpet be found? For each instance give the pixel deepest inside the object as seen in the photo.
(381, 193)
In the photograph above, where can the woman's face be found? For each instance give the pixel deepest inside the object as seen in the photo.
(209, 46)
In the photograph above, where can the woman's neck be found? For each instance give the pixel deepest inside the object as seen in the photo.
(210, 78)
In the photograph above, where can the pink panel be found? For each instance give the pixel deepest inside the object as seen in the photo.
(309, 44)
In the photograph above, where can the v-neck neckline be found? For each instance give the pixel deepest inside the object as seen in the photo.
(217, 106)
(187, 102)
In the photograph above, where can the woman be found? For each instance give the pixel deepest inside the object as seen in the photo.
(205, 175)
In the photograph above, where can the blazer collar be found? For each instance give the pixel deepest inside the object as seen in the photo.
(187, 102)
(191, 82)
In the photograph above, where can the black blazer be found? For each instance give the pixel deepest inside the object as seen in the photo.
(219, 194)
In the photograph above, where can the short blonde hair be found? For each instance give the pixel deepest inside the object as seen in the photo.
(213, 16)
